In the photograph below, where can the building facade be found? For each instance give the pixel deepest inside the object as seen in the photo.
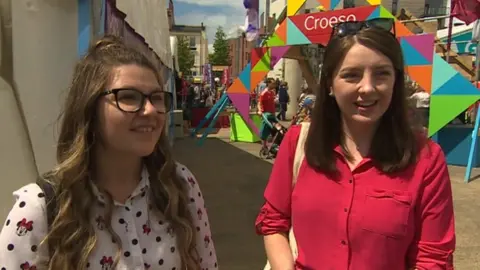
(197, 38)
(239, 54)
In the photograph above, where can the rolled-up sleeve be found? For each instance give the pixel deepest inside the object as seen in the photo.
(274, 216)
(435, 239)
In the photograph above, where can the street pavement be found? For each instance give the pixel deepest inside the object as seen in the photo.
(233, 178)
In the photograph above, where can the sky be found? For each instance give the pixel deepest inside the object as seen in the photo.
(230, 14)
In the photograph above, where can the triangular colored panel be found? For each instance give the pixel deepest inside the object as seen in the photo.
(282, 31)
(421, 75)
(276, 53)
(445, 108)
(334, 4)
(401, 30)
(374, 2)
(375, 14)
(256, 78)
(411, 55)
(237, 87)
(457, 86)
(275, 41)
(263, 64)
(325, 4)
(294, 35)
(257, 54)
(442, 72)
(424, 44)
(384, 13)
(293, 6)
(245, 76)
(242, 104)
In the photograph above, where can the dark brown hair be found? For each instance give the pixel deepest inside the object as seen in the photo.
(394, 144)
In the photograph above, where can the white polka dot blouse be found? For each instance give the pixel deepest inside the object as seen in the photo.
(148, 242)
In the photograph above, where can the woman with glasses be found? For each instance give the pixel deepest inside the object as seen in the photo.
(116, 198)
(372, 193)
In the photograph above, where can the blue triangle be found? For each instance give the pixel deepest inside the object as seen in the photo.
(375, 14)
(441, 73)
(245, 76)
(334, 4)
(458, 85)
(412, 56)
(295, 36)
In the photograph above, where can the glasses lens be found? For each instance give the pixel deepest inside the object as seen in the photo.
(347, 28)
(162, 101)
(383, 23)
(129, 100)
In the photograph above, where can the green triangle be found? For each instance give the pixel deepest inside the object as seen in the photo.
(274, 41)
(264, 63)
(444, 108)
(384, 13)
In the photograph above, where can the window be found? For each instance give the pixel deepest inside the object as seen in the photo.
(193, 42)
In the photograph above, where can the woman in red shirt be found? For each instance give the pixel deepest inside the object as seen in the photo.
(371, 194)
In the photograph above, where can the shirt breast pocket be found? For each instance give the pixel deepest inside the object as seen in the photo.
(387, 212)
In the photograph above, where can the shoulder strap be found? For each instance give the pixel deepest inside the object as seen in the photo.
(300, 151)
(50, 199)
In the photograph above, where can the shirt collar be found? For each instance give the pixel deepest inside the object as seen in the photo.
(140, 190)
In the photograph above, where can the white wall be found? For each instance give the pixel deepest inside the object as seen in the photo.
(44, 38)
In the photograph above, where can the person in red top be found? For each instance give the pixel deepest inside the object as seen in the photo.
(372, 193)
(266, 100)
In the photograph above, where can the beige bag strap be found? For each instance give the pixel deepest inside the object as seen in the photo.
(300, 151)
(297, 163)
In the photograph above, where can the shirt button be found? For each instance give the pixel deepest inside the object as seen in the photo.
(345, 210)
(350, 181)
(343, 242)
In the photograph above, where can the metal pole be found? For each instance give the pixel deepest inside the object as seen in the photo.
(267, 16)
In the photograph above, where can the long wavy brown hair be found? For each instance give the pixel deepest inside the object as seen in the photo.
(72, 237)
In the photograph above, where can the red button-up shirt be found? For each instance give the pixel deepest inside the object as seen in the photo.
(363, 219)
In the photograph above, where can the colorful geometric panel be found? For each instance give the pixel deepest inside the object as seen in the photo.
(256, 78)
(442, 72)
(401, 30)
(276, 53)
(264, 63)
(424, 44)
(374, 2)
(293, 6)
(245, 76)
(444, 108)
(237, 87)
(257, 54)
(242, 103)
(328, 4)
(412, 56)
(457, 86)
(294, 35)
(281, 31)
(375, 14)
(275, 40)
(421, 75)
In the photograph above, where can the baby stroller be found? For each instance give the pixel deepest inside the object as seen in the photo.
(271, 133)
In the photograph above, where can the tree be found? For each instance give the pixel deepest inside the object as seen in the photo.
(186, 58)
(221, 50)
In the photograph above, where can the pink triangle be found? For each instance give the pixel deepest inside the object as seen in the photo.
(424, 44)
(242, 103)
(276, 54)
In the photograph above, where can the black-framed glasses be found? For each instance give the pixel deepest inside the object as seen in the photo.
(353, 27)
(132, 100)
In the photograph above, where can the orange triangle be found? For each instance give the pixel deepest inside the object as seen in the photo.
(421, 75)
(237, 87)
(401, 30)
(256, 77)
(282, 31)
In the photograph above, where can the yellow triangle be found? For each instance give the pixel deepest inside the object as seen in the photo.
(374, 2)
(293, 6)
